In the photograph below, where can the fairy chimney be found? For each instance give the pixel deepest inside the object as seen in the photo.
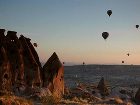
(53, 76)
(14, 51)
(137, 97)
(104, 91)
(32, 68)
(5, 72)
(19, 62)
(35, 55)
(2, 37)
(33, 52)
(2, 31)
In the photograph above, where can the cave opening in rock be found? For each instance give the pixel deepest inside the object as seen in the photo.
(6, 76)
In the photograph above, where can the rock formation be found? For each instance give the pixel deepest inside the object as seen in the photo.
(15, 56)
(20, 67)
(32, 69)
(5, 73)
(5, 67)
(53, 76)
(104, 91)
(2, 37)
(137, 97)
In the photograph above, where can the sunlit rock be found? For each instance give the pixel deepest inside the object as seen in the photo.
(53, 76)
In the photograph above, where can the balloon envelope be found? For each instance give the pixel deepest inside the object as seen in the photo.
(105, 35)
(109, 12)
(128, 54)
(35, 44)
(137, 26)
(83, 63)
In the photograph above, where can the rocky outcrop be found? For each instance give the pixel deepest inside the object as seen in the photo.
(104, 91)
(53, 76)
(32, 69)
(2, 37)
(15, 56)
(21, 71)
(5, 73)
(137, 97)
(5, 66)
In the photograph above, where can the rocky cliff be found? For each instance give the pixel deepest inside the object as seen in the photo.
(20, 67)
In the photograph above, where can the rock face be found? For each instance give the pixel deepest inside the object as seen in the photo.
(53, 76)
(5, 67)
(104, 91)
(14, 53)
(32, 69)
(2, 37)
(20, 67)
(137, 97)
(5, 73)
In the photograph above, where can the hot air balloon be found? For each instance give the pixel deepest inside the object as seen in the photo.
(105, 35)
(35, 44)
(83, 63)
(137, 26)
(128, 54)
(109, 12)
(122, 61)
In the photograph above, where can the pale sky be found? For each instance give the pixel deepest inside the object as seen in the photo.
(73, 28)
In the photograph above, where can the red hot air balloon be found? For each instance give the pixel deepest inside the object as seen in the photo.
(109, 12)
(137, 26)
(105, 35)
